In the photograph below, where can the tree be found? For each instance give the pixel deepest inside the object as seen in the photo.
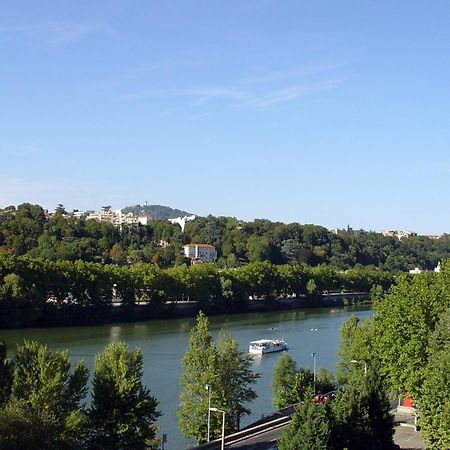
(228, 373)
(356, 344)
(123, 411)
(199, 364)
(310, 429)
(22, 428)
(325, 381)
(47, 395)
(258, 249)
(303, 381)
(414, 306)
(6, 375)
(117, 254)
(283, 380)
(362, 414)
(235, 376)
(290, 386)
(433, 402)
(290, 249)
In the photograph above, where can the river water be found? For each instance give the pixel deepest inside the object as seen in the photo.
(163, 343)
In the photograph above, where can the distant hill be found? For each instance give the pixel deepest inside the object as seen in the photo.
(157, 212)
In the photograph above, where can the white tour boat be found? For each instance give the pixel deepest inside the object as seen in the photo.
(267, 346)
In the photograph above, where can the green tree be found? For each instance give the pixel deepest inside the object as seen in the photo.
(22, 428)
(434, 404)
(13, 288)
(234, 379)
(6, 375)
(310, 429)
(199, 369)
(404, 321)
(303, 381)
(290, 386)
(283, 381)
(226, 370)
(48, 395)
(258, 249)
(356, 344)
(361, 411)
(123, 412)
(325, 381)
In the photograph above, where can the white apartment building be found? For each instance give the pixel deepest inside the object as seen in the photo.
(117, 217)
(205, 252)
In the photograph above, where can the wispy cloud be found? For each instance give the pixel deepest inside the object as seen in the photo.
(290, 93)
(55, 33)
(259, 92)
(199, 94)
(311, 70)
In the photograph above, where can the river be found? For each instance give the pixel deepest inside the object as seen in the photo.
(163, 343)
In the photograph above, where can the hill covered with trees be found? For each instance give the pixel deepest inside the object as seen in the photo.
(27, 230)
(156, 212)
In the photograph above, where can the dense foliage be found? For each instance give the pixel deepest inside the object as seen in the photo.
(404, 321)
(216, 372)
(27, 230)
(311, 428)
(357, 418)
(122, 412)
(412, 330)
(45, 406)
(291, 385)
(42, 286)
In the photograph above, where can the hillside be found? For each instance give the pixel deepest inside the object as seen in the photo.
(157, 212)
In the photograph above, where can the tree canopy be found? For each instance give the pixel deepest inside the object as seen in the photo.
(28, 230)
(226, 372)
(42, 401)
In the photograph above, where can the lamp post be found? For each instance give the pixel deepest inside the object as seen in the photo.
(208, 388)
(313, 354)
(223, 425)
(355, 361)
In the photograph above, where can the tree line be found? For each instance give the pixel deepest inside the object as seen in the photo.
(27, 230)
(44, 285)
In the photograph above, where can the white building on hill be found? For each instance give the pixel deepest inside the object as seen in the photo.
(205, 252)
(182, 221)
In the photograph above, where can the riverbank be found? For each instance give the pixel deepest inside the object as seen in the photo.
(77, 315)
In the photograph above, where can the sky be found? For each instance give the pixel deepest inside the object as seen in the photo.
(328, 112)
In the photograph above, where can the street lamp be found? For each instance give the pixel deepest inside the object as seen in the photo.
(355, 361)
(223, 425)
(208, 388)
(313, 354)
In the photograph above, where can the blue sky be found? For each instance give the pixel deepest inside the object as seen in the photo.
(327, 112)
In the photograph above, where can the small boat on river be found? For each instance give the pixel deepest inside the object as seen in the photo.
(267, 346)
